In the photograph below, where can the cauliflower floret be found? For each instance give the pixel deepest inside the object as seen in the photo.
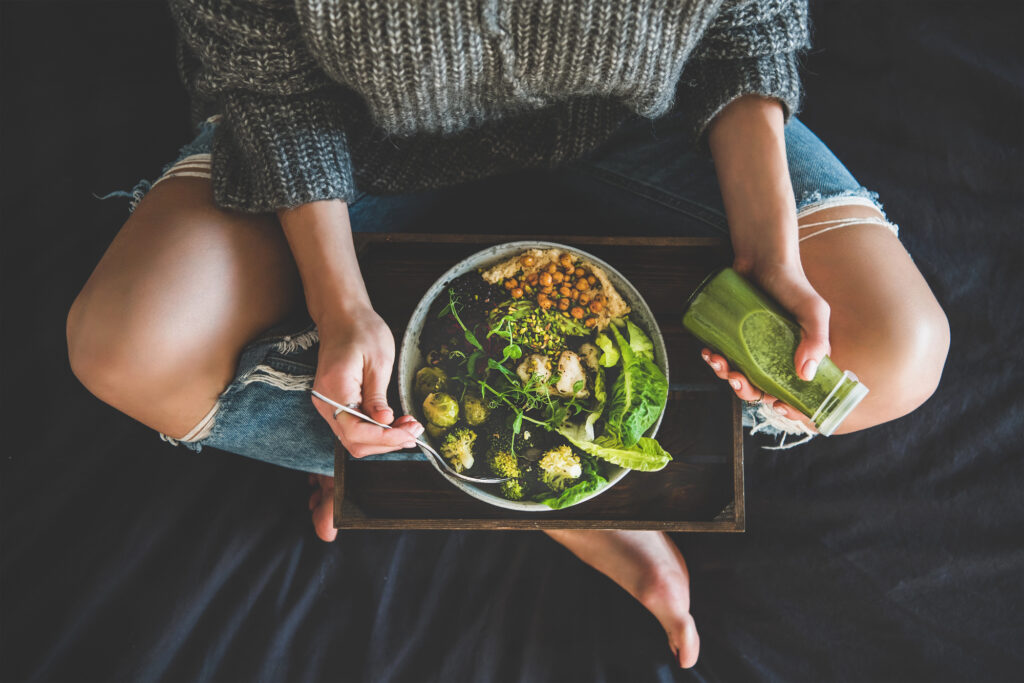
(534, 364)
(570, 371)
(559, 468)
(590, 355)
(458, 447)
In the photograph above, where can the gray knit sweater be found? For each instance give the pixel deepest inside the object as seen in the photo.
(320, 97)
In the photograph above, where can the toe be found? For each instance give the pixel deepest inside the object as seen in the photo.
(686, 643)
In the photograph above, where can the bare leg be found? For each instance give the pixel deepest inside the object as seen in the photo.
(157, 329)
(885, 326)
(649, 566)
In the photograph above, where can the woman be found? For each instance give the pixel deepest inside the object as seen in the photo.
(328, 116)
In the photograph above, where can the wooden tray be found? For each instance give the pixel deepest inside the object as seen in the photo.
(701, 490)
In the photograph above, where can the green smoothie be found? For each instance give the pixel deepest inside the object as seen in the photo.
(759, 339)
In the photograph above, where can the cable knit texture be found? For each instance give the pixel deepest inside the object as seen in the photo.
(321, 97)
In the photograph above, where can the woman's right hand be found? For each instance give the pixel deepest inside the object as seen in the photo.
(357, 351)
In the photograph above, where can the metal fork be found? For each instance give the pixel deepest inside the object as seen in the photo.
(437, 460)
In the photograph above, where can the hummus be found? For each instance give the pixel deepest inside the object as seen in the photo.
(615, 306)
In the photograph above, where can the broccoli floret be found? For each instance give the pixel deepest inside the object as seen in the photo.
(428, 380)
(512, 489)
(504, 464)
(475, 410)
(559, 468)
(441, 409)
(458, 448)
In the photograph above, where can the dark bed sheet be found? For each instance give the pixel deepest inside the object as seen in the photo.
(892, 555)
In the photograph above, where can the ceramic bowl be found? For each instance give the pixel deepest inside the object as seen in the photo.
(411, 359)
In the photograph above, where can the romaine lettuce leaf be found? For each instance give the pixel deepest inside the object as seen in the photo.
(638, 395)
(639, 342)
(646, 455)
(575, 493)
(601, 394)
(609, 356)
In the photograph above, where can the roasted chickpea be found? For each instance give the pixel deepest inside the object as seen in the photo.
(575, 294)
(576, 312)
(596, 306)
(532, 278)
(545, 303)
(564, 290)
(544, 279)
(528, 261)
(590, 322)
(517, 293)
(547, 290)
(563, 305)
(585, 298)
(579, 272)
(552, 268)
(510, 283)
(601, 298)
(582, 285)
(592, 279)
(566, 261)
(557, 277)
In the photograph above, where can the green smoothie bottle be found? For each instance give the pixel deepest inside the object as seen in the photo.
(759, 339)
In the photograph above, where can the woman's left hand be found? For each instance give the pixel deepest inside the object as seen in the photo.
(788, 285)
(748, 143)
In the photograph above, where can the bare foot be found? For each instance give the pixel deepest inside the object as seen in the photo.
(649, 566)
(321, 504)
(667, 596)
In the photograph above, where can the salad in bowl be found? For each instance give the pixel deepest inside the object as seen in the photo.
(540, 363)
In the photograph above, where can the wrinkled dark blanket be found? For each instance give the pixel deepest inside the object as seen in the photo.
(891, 555)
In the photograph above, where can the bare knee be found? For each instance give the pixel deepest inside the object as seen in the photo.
(98, 358)
(901, 359)
(141, 367)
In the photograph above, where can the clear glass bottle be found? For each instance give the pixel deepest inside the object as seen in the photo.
(759, 339)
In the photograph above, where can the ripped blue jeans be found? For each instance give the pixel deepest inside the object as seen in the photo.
(646, 177)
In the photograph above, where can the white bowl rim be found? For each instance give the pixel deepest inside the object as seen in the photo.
(491, 255)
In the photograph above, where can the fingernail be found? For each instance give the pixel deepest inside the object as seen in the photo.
(734, 383)
(705, 355)
(416, 428)
(409, 444)
(716, 365)
(780, 410)
(810, 369)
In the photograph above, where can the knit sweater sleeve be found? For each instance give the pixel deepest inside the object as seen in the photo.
(751, 48)
(281, 141)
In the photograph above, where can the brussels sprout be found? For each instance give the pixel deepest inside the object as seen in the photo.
(428, 380)
(475, 410)
(441, 409)
(435, 432)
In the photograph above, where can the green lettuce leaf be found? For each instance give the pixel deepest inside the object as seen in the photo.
(639, 343)
(646, 455)
(575, 493)
(601, 394)
(638, 395)
(590, 482)
(610, 356)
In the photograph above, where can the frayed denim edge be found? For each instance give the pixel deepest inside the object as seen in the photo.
(135, 195)
(261, 372)
(762, 419)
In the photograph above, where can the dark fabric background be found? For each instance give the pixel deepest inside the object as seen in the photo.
(891, 555)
